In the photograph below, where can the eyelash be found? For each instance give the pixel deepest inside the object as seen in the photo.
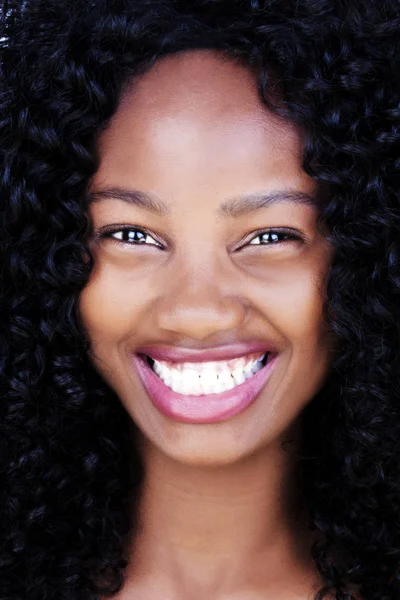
(287, 233)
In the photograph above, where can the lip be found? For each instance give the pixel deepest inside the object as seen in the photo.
(209, 408)
(226, 352)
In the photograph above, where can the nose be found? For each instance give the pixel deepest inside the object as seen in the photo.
(198, 305)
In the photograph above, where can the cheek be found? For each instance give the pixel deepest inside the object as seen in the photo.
(310, 344)
(294, 308)
(107, 306)
(290, 297)
(307, 347)
(300, 310)
(120, 289)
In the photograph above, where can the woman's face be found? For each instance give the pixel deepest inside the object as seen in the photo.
(192, 135)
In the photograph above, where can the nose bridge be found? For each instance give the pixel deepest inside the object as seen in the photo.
(200, 296)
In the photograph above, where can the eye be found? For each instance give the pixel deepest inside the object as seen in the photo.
(133, 236)
(274, 237)
(136, 236)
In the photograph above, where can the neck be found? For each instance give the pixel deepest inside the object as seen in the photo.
(216, 528)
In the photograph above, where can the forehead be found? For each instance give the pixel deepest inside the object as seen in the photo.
(195, 123)
(197, 96)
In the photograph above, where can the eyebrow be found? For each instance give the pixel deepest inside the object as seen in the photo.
(233, 208)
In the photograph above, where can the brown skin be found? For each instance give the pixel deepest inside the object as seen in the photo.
(221, 514)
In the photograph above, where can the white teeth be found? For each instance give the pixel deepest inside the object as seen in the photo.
(191, 382)
(238, 376)
(207, 378)
(225, 380)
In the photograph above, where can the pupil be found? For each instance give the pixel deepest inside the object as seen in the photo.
(271, 237)
(135, 235)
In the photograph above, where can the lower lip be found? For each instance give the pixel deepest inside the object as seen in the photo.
(210, 408)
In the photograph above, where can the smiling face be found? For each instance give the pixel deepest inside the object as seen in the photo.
(192, 137)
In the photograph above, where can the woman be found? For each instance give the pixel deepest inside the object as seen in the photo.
(200, 300)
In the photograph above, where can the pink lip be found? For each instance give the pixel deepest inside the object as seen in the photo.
(210, 408)
(180, 354)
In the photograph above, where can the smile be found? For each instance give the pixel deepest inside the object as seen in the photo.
(204, 392)
(199, 379)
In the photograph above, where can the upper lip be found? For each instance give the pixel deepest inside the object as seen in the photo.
(226, 352)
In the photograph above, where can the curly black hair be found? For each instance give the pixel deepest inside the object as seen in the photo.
(69, 475)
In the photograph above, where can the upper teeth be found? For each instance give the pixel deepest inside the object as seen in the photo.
(208, 377)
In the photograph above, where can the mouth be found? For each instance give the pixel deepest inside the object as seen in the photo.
(204, 378)
(205, 392)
